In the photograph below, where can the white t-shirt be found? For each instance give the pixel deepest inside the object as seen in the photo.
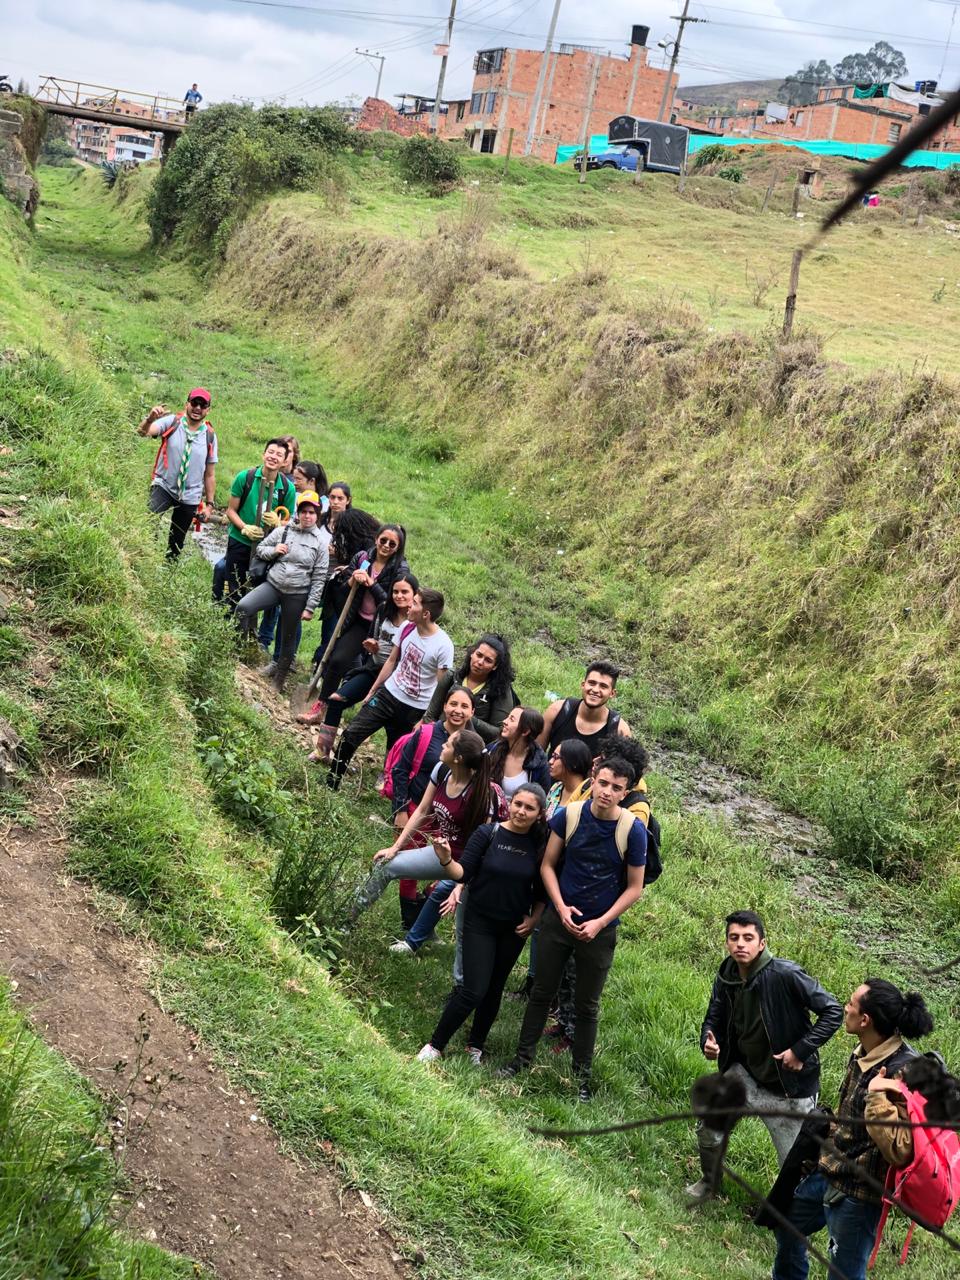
(510, 785)
(415, 676)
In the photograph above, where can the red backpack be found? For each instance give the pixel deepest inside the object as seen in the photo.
(425, 733)
(929, 1186)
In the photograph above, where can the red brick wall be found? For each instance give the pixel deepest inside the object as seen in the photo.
(625, 85)
(377, 114)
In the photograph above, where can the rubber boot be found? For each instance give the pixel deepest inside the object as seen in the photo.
(315, 714)
(703, 1190)
(323, 744)
(409, 910)
(280, 675)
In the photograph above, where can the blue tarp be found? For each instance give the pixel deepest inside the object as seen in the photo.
(819, 147)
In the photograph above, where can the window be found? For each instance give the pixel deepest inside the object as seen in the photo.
(798, 119)
(461, 110)
(476, 104)
(489, 140)
(491, 103)
(488, 60)
(893, 133)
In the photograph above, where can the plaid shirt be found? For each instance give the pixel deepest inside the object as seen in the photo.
(856, 1157)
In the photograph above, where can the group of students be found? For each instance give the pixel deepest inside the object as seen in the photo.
(529, 825)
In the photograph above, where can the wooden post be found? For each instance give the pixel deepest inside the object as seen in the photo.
(585, 140)
(506, 158)
(681, 185)
(796, 196)
(791, 306)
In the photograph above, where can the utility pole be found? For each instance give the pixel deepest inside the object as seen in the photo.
(374, 57)
(435, 118)
(585, 139)
(683, 19)
(541, 78)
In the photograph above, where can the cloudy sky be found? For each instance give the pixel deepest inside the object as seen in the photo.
(304, 51)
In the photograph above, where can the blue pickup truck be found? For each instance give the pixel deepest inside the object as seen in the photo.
(617, 156)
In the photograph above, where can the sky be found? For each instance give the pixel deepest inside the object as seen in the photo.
(303, 51)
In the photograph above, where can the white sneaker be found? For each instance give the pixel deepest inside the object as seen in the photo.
(429, 1054)
(402, 948)
(475, 1055)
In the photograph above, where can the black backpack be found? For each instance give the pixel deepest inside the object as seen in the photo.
(654, 868)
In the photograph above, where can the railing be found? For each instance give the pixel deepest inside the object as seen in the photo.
(143, 107)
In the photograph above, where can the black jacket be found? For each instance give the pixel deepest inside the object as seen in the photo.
(787, 998)
(338, 588)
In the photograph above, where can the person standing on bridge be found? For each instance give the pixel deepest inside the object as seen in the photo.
(183, 480)
(191, 100)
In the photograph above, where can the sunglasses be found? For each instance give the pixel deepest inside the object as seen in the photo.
(387, 542)
(198, 402)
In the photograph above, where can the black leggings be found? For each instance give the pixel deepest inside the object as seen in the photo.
(345, 652)
(490, 950)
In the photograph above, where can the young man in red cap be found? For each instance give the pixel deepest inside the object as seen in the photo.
(183, 480)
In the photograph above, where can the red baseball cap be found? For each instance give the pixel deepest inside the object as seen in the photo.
(198, 393)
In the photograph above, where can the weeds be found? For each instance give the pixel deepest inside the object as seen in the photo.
(57, 1192)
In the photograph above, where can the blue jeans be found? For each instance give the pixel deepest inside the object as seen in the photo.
(429, 915)
(428, 919)
(852, 1227)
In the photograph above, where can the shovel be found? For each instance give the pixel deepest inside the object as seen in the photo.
(302, 697)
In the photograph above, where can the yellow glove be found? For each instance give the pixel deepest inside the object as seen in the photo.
(270, 519)
(252, 531)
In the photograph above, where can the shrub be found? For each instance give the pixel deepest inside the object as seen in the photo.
(871, 817)
(712, 153)
(732, 173)
(57, 152)
(431, 163)
(229, 158)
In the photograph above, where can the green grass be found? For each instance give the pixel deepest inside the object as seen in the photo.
(142, 677)
(869, 289)
(59, 1193)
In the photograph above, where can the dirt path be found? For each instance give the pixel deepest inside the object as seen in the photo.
(209, 1177)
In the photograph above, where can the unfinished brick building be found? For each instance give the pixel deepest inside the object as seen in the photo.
(504, 88)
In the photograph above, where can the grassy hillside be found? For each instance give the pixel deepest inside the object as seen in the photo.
(759, 528)
(874, 292)
(138, 679)
(730, 92)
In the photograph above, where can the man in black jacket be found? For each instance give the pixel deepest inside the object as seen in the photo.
(758, 1028)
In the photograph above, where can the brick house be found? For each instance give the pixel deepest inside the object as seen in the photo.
(505, 83)
(837, 116)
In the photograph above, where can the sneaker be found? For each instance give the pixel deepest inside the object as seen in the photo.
(269, 670)
(561, 1044)
(403, 948)
(584, 1091)
(511, 1069)
(475, 1055)
(428, 1053)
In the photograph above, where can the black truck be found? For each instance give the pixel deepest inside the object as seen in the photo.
(661, 148)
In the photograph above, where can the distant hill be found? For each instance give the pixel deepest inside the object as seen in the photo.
(726, 95)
